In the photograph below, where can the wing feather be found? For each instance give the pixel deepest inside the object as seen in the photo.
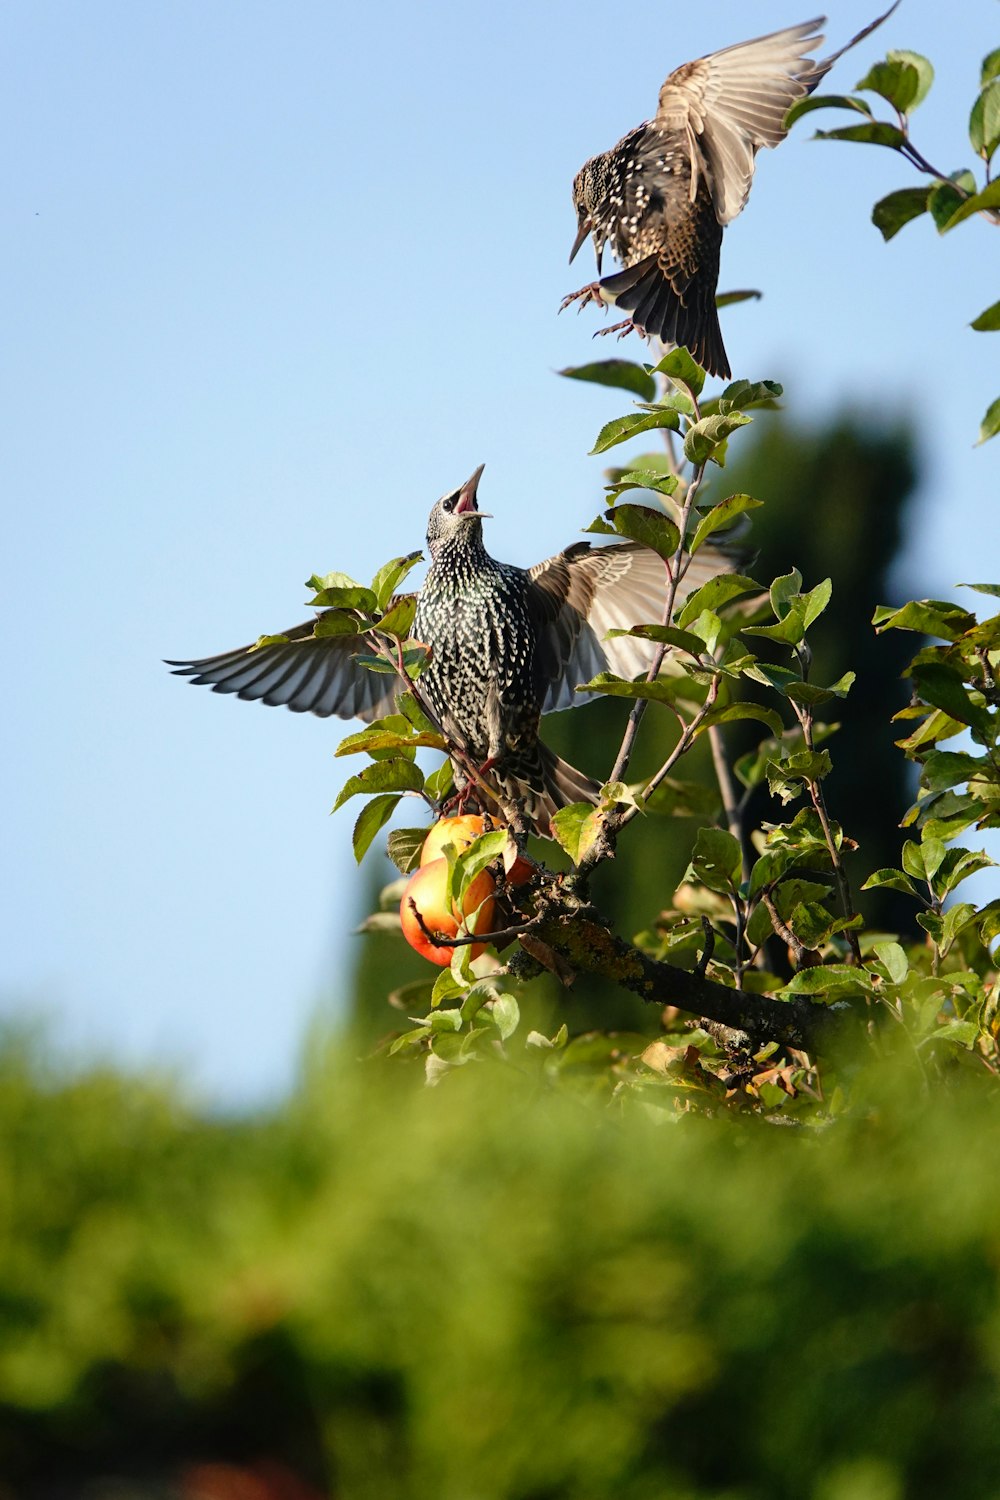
(731, 103)
(309, 674)
(584, 592)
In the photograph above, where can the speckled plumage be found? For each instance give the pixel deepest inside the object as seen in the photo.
(507, 644)
(662, 196)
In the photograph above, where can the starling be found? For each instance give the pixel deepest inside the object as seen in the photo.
(506, 644)
(663, 195)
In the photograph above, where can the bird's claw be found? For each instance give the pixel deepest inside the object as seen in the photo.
(622, 329)
(589, 293)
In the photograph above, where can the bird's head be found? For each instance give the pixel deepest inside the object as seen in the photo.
(586, 196)
(455, 515)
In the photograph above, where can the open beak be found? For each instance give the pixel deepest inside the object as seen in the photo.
(467, 494)
(581, 235)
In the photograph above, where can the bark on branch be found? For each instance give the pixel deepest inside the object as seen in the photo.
(588, 946)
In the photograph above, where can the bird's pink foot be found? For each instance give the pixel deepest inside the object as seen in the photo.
(589, 293)
(622, 329)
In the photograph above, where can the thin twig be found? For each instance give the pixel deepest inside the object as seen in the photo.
(500, 935)
(727, 791)
(675, 572)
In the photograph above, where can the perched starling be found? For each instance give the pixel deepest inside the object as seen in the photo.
(507, 644)
(663, 195)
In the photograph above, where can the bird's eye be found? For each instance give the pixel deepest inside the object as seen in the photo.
(449, 504)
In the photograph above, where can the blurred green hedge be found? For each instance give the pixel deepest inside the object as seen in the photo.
(488, 1290)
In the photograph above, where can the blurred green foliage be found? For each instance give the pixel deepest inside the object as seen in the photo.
(493, 1289)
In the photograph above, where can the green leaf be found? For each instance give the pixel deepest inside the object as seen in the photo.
(338, 591)
(789, 630)
(715, 593)
(824, 101)
(926, 616)
(896, 964)
(679, 366)
(956, 919)
(374, 815)
(391, 574)
(660, 690)
(483, 851)
(446, 987)
(811, 693)
(830, 980)
(641, 523)
(893, 880)
(896, 209)
(984, 122)
(703, 438)
(708, 628)
(383, 776)
(506, 1015)
(733, 712)
(336, 622)
(716, 860)
(957, 865)
(993, 589)
(686, 640)
(991, 67)
(816, 600)
(988, 321)
(878, 133)
(942, 687)
(784, 591)
(620, 429)
(399, 620)
(960, 1033)
(722, 515)
(620, 373)
(683, 799)
(903, 79)
(644, 479)
(947, 768)
(445, 1020)
(785, 778)
(989, 198)
(913, 860)
(575, 828)
(943, 200)
(404, 846)
(263, 641)
(990, 425)
(440, 782)
(368, 741)
(744, 393)
(730, 299)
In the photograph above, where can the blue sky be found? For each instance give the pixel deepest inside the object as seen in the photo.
(278, 275)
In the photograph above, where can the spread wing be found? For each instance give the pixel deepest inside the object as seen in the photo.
(586, 591)
(732, 102)
(317, 675)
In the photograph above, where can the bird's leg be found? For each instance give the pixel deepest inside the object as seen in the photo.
(589, 293)
(622, 329)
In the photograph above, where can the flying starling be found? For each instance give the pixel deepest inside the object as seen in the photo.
(506, 645)
(664, 194)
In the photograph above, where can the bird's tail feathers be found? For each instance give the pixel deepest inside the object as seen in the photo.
(658, 311)
(560, 785)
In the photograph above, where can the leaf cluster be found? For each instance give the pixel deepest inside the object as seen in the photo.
(902, 81)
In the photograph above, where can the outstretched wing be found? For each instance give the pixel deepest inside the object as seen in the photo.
(584, 592)
(732, 102)
(310, 674)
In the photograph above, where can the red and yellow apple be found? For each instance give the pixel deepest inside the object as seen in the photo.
(426, 890)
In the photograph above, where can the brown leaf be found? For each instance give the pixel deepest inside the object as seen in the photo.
(548, 958)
